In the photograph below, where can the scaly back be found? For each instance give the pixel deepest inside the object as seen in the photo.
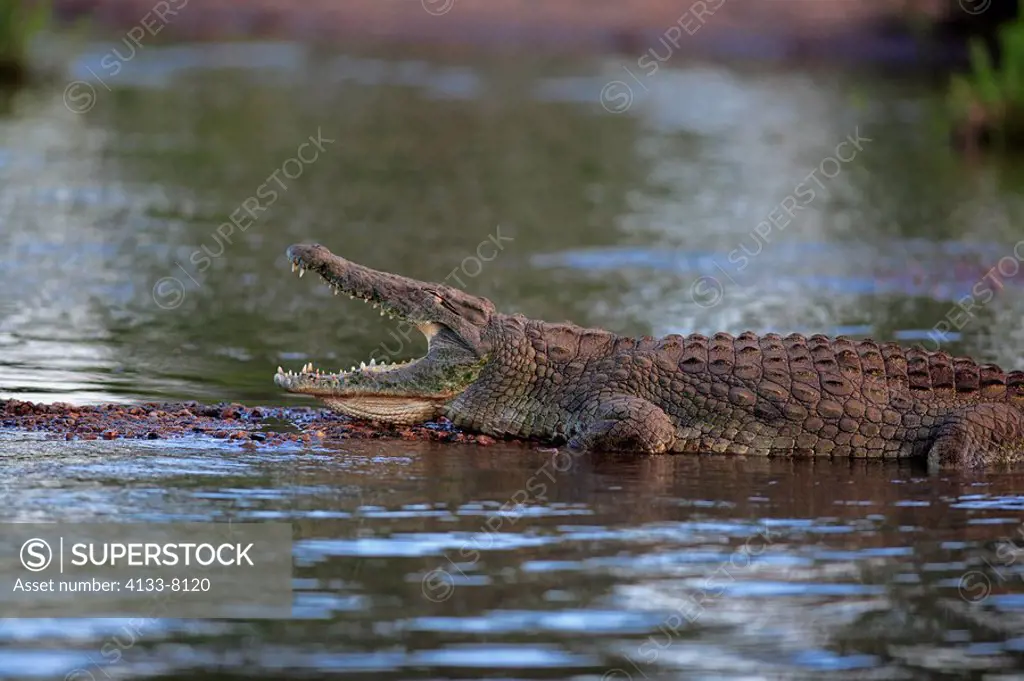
(819, 367)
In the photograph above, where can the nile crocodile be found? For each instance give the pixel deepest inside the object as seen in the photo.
(773, 395)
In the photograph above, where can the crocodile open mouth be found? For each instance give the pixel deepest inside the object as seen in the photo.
(406, 391)
(308, 370)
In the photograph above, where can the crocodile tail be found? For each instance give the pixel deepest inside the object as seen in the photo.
(940, 371)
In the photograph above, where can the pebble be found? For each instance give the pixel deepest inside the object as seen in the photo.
(156, 421)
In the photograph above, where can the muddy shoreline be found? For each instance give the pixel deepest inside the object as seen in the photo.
(846, 30)
(249, 427)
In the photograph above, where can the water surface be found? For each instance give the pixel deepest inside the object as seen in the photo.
(513, 180)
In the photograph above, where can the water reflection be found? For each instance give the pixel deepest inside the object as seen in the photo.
(703, 564)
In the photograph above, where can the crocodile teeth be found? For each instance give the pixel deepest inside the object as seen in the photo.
(280, 370)
(351, 297)
(302, 270)
(373, 362)
(294, 266)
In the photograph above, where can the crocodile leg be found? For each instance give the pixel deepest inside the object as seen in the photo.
(626, 423)
(978, 434)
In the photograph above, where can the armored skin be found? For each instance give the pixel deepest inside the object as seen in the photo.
(768, 395)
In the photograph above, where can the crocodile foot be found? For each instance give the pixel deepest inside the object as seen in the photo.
(627, 423)
(978, 434)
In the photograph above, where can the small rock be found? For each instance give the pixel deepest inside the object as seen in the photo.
(259, 437)
(152, 435)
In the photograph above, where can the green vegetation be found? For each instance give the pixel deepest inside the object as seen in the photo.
(988, 102)
(19, 21)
